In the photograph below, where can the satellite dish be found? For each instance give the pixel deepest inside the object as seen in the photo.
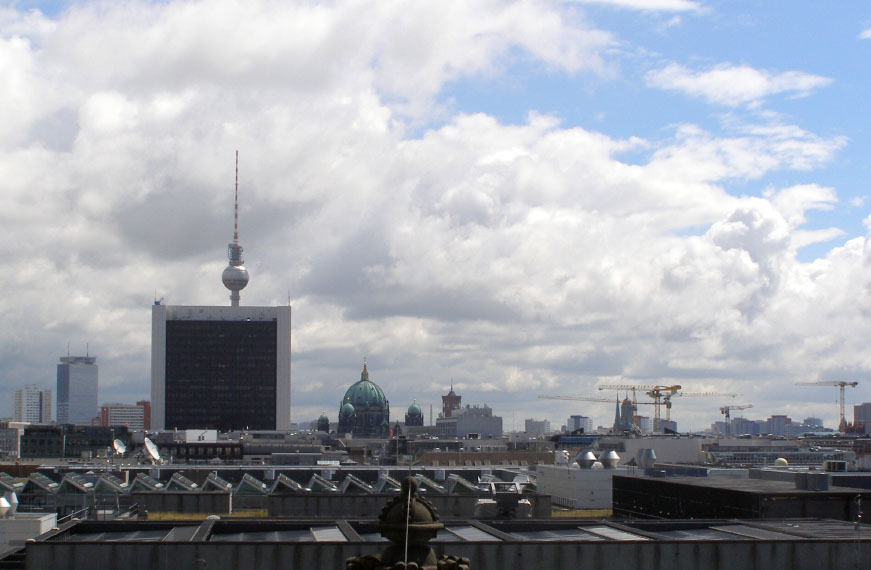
(119, 447)
(152, 451)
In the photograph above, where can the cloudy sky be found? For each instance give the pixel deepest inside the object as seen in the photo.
(523, 197)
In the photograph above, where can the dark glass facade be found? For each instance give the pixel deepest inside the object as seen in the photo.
(221, 374)
(69, 440)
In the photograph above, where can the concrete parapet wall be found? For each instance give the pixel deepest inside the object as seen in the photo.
(369, 506)
(184, 502)
(315, 505)
(624, 555)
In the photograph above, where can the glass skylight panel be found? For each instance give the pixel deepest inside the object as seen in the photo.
(613, 533)
(328, 534)
(472, 533)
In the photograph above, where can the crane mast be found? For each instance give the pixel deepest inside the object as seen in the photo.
(725, 411)
(661, 395)
(842, 425)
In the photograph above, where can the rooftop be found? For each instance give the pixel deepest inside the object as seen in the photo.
(548, 543)
(755, 486)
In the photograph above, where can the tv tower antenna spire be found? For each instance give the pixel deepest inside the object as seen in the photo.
(235, 276)
(236, 205)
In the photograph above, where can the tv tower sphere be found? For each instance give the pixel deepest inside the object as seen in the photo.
(235, 276)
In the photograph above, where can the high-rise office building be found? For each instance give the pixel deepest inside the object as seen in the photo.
(862, 415)
(223, 368)
(77, 390)
(33, 405)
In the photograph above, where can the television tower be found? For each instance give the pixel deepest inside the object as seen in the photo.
(235, 276)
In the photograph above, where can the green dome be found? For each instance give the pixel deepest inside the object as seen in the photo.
(347, 409)
(365, 394)
(414, 410)
(323, 417)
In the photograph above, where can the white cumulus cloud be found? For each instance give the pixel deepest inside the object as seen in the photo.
(734, 85)
(509, 257)
(649, 5)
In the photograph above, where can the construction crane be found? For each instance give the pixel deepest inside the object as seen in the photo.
(725, 411)
(593, 399)
(842, 426)
(662, 396)
(667, 399)
(576, 398)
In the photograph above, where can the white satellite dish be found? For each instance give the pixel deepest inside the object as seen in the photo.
(119, 447)
(152, 451)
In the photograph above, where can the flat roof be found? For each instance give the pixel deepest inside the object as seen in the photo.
(459, 531)
(755, 486)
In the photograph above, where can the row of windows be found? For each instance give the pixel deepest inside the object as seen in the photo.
(221, 374)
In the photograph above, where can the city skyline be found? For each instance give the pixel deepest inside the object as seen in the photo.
(522, 197)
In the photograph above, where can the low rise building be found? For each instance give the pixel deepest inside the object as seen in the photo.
(478, 420)
(781, 544)
(470, 420)
(576, 488)
(10, 438)
(132, 416)
(69, 441)
(581, 424)
(733, 498)
(536, 428)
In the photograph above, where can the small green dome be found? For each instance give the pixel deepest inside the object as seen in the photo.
(323, 417)
(414, 410)
(347, 409)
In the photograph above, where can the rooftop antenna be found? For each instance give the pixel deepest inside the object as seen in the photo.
(236, 205)
(235, 276)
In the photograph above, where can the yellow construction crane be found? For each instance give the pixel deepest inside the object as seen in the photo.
(576, 398)
(590, 399)
(725, 411)
(662, 396)
(842, 426)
